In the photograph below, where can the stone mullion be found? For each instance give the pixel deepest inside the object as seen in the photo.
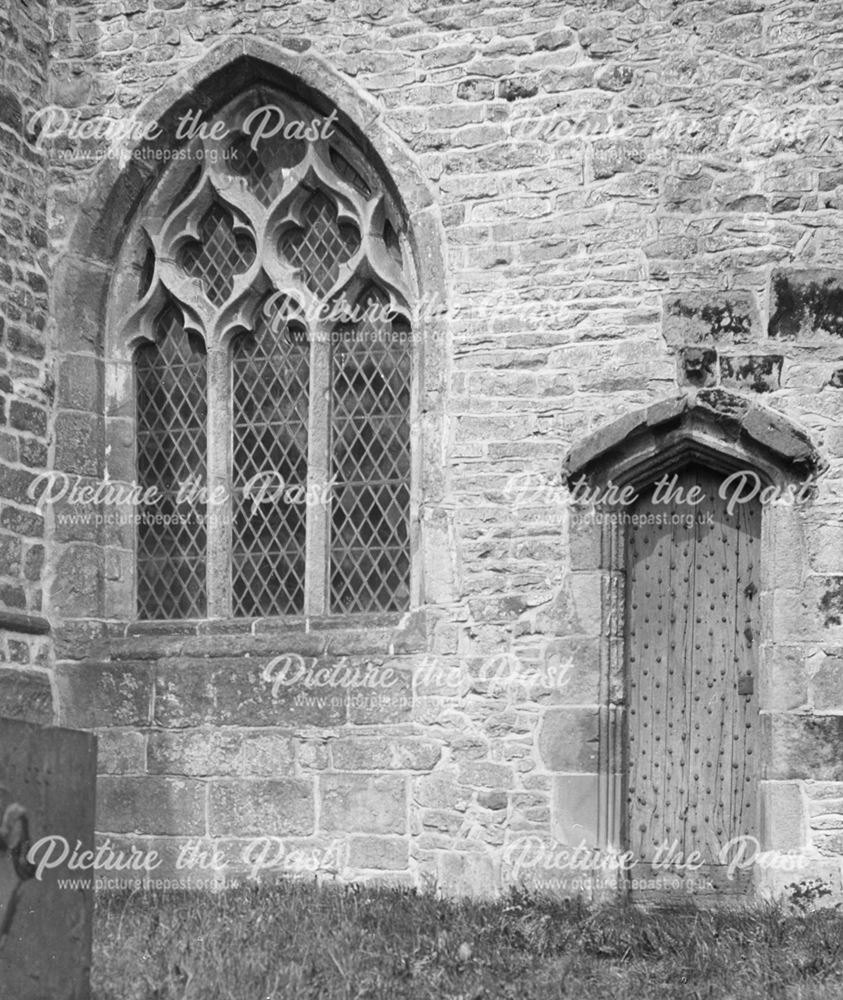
(317, 553)
(220, 478)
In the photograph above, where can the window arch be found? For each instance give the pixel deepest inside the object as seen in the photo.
(265, 291)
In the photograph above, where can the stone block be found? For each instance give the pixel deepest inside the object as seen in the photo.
(15, 485)
(825, 546)
(803, 746)
(76, 590)
(387, 703)
(26, 695)
(391, 853)
(215, 752)
(697, 366)
(440, 791)
(384, 754)
(784, 824)
(550, 41)
(753, 372)
(121, 752)
(464, 874)
(516, 88)
(484, 774)
(815, 612)
(81, 383)
(776, 433)
(784, 682)
(806, 305)
(612, 156)
(80, 448)
(789, 545)
(362, 803)
(51, 773)
(586, 599)
(710, 317)
(571, 671)
(243, 692)
(574, 809)
(774, 881)
(569, 740)
(584, 542)
(261, 808)
(150, 805)
(826, 672)
(28, 417)
(98, 694)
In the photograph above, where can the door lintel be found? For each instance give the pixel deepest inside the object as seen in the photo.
(722, 430)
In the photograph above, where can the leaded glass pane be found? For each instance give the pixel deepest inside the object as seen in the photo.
(322, 245)
(270, 382)
(170, 380)
(219, 254)
(262, 164)
(370, 448)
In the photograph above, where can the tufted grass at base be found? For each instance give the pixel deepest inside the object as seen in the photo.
(299, 941)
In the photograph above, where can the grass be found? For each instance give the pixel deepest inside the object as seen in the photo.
(297, 941)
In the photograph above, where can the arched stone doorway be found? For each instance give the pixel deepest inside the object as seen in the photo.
(686, 581)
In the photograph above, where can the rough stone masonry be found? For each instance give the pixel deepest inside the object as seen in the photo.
(621, 205)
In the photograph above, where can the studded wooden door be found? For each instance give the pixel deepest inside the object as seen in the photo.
(691, 649)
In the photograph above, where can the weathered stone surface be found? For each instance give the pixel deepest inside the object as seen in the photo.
(81, 384)
(195, 692)
(710, 318)
(26, 695)
(121, 752)
(784, 824)
(612, 156)
(77, 587)
(379, 852)
(827, 681)
(468, 874)
(201, 753)
(150, 805)
(803, 746)
(575, 809)
(261, 808)
(383, 704)
(486, 775)
(96, 694)
(806, 305)
(383, 754)
(568, 740)
(784, 684)
(80, 444)
(755, 372)
(362, 803)
(697, 366)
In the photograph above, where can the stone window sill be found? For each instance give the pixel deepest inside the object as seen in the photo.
(264, 626)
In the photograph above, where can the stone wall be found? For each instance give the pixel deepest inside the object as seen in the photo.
(26, 374)
(632, 201)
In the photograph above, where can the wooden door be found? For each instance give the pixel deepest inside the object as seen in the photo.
(692, 601)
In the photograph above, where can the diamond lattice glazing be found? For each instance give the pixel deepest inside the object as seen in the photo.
(171, 441)
(324, 244)
(370, 447)
(270, 382)
(218, 255)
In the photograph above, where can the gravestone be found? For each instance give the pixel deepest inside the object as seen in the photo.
(47, 789)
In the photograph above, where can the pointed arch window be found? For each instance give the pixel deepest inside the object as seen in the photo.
(266, 288)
